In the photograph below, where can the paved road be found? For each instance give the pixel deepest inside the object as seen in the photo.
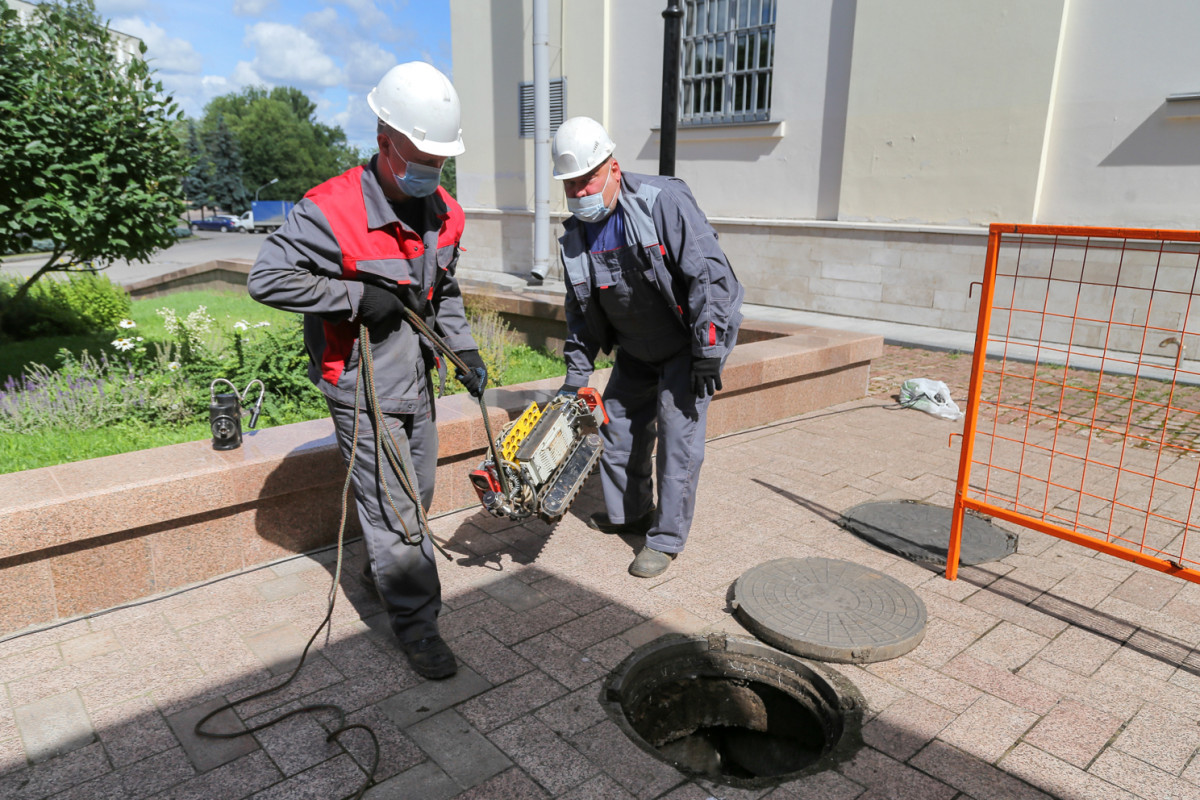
(197, 249)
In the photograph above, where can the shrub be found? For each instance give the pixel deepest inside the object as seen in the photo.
(81, 304)
(279, 360)
(88, 392)
(166, 384)
(495, 339)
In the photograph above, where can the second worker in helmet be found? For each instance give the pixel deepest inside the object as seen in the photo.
(645, 274)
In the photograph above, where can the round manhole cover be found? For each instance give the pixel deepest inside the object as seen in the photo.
(734, 710)
(829, 610)
(921, 532)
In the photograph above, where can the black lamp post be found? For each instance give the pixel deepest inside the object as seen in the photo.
(672, 33)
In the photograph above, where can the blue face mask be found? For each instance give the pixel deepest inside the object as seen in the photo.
(418, 180)
(590, 207)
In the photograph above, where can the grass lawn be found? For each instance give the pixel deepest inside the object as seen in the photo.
(225, 307)
(57, 446)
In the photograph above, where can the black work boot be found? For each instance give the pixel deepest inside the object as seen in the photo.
(638, 527)
(650, 563)
(430, 658)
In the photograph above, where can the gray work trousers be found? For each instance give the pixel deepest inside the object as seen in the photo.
(651, 404)
(405, 574)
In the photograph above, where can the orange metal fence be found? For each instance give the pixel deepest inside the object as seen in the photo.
(1083, 420)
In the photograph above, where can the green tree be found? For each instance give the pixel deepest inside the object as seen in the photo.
(195, 183)
(225, 188)
(279, 137)
(88, 159)
(450, 177)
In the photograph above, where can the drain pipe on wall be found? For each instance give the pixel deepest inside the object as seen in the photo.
(541, 142)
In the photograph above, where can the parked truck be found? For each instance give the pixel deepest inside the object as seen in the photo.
(265, 216)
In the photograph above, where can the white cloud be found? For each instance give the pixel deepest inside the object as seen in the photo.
(324, 20)
(244, 74)
(289, 55)
(357, 43)
(187, 90)
(217, 84)
(370, 17)
(367, 63)
(251, 8)
(356, 119)
(163, 52)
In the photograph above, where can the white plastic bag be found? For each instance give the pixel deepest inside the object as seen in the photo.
(932, 397)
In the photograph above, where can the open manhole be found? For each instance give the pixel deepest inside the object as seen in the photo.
(734, 710)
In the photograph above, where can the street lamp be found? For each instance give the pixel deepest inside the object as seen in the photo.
(672, 30)
(265, 185)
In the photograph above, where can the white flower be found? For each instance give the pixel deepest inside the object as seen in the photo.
(241, 325)
(174, 365)
(122, 344)
(141, 338)
(263, 324)
(126, 323)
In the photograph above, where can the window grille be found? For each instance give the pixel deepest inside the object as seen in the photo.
(728, 54)
(558, 105)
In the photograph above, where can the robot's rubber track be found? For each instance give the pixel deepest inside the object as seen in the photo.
(566, 484)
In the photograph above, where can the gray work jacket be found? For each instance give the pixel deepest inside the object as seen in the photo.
(681, 257)
(345, 232)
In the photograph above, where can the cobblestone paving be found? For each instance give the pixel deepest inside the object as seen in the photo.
(1054, 673)
(1078, 401)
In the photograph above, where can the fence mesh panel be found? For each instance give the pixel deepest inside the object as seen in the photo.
(1083, 418)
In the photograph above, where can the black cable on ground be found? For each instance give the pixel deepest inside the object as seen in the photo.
(334, 736)
(342, 727)
(390, 450)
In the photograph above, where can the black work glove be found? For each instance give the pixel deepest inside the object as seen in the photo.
(568, 389)
(706, 376)
(475, 378)
(381, 310)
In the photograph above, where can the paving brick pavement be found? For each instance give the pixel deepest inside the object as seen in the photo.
(1078, 401)
(1056, 672)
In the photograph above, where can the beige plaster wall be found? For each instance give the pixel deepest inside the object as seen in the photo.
(610, 52)
(948, 109)
(493, 54)
(734, 170)
(492, 47)
(897, 130)
(490, 173)
(1120, 154)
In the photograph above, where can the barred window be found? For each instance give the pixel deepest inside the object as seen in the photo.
(728, 53)
(558, 106)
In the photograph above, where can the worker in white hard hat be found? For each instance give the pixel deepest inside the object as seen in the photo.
(644, 275)
(355, 252)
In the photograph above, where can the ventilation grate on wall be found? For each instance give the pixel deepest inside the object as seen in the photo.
(558, 106)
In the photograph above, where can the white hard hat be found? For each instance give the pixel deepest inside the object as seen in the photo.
(580, 145)
(420, 102)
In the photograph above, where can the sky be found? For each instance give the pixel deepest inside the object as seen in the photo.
(334, 50)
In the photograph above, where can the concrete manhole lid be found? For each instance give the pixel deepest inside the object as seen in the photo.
(829, 610)
(921, 532)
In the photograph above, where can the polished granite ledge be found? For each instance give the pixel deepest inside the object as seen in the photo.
(93, 534)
